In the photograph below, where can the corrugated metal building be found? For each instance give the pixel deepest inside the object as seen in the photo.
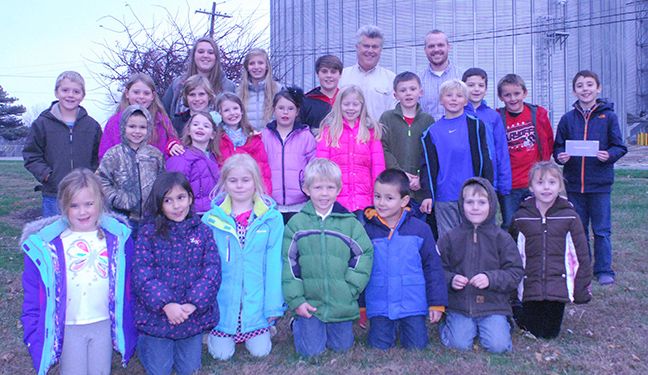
(544, 41)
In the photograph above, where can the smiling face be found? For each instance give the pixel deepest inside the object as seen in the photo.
(586, 90)
(453, 101)
(136, 129)
(201, 132)
(389, 203)
(176, 204)
(70, 94)
(285, 111)
(476, 90)
(231, 113)
(198, 99)
(323, 193)
(351, 107)
(513, 97)
(437, 49)
(205, 57)
(257, 68)
(329, 78)
(140, 94)
(239, 185)
(475, 206)
(408, 93)
(545, 189)
(369, 51)
(83, 211)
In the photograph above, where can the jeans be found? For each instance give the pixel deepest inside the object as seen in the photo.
(594, 209)
(458, 331)
(412, 332)
(509, 204)
(160, 355)
(312, 336)
(50, 207)
(222, 348)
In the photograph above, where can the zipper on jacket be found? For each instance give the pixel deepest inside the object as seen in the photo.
(71, 155)
(283, 168)
(585, 138)
(139, 181)
(325, 269)
(544, 257)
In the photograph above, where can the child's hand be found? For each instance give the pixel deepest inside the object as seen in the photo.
(426, 206)
(563, 157)
(480, 281)
(603, 156)
(415, 181)
(363, 319)
(459, 282)
(188, 308)
(176, 150)
(175, 313)
(270, 320)
(304, 310)
(435, 316)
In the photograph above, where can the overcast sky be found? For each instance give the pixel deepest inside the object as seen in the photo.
(42, 38)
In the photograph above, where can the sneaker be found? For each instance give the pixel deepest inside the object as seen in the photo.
(606, 280)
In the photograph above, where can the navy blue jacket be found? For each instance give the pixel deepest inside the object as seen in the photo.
(588, 174)
(407, 277)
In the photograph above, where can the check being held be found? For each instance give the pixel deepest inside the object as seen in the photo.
(581, 148)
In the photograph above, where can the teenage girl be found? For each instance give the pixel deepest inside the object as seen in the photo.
(238, 136)
(76, 280)
(248, 231)
(351, 138)
(204, 60)
(140, 90)
(258, 88)
(176, 276)
(554, 252)
(290, 147)
(200, 160)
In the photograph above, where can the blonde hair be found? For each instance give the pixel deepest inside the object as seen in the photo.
(474, 189)
(72, 184)
(334, 120)
(323, 169)
(194, 82)
(214, 143)
(453, 84)
(156, 109)
(216, 74)
(270, 88)
(72, 76)
(543, 168)
(245, 124)
(245, 162)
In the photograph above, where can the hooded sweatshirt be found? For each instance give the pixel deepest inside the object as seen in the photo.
(127, 174)
(469, 250)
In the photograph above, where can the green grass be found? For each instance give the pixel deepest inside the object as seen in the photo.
(606, 336)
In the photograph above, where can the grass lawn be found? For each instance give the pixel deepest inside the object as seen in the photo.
(607, 336)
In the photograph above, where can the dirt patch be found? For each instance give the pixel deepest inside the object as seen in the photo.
(19, 218)
(637, 157)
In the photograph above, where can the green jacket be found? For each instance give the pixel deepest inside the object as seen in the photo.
(326, 263)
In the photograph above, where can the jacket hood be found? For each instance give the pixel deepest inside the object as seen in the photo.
(561, 203)
(338, 210)
(492, 199)
(55, 111)
(126, 114)
(272, 125)
(261, 206)
(36, 226)
(371, 216)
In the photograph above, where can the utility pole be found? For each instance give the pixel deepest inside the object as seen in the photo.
(212, 17)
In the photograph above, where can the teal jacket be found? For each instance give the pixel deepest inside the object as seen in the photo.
(251, 273)
(327, 263)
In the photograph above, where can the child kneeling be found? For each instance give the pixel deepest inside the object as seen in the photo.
(327, 259)
(482, 266)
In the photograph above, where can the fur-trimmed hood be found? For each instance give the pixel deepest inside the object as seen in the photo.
(36, 226)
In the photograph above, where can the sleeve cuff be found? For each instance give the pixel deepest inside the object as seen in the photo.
(437, 308)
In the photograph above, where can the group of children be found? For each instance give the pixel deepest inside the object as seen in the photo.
(329, 220)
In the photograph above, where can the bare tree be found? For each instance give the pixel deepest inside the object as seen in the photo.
(161, 49)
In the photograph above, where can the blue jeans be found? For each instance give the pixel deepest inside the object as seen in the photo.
(594, 209)
(412, 332)
(50, 207)
(160, 355)
(509, 204)
(458, 331)
(312, 336)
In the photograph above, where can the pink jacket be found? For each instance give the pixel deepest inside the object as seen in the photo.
(360, 163)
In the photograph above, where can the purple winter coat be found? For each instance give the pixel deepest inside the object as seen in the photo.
(288, 161)
(202, 173)
(182, 268)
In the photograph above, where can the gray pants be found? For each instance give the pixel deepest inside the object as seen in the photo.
(87, 349)
(447, 216)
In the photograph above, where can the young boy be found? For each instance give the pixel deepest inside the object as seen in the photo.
(407, 280)
(446, 162)
(403, 127)
(327, 259)
(62, 138)
(482, 266)
(128, 170)
(319, 101)
(477, 81)
(590, 179)
(530, 139)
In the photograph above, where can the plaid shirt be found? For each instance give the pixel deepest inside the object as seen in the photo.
(431, 83)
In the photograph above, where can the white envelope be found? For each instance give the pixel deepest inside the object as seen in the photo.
(582, 148)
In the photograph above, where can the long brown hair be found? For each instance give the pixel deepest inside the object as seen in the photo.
(216, 74)
(270, 88)
(245, 124)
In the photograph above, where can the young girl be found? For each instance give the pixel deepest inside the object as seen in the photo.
(76, 281)
(554, 252)
(258, 88)
(140, 90)
(238, 136)
(204, 60)
(351, 138)
(290, 147)
(248, 231)
(198, 96)
(176, 275)
(200, 160)
(128, 170)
